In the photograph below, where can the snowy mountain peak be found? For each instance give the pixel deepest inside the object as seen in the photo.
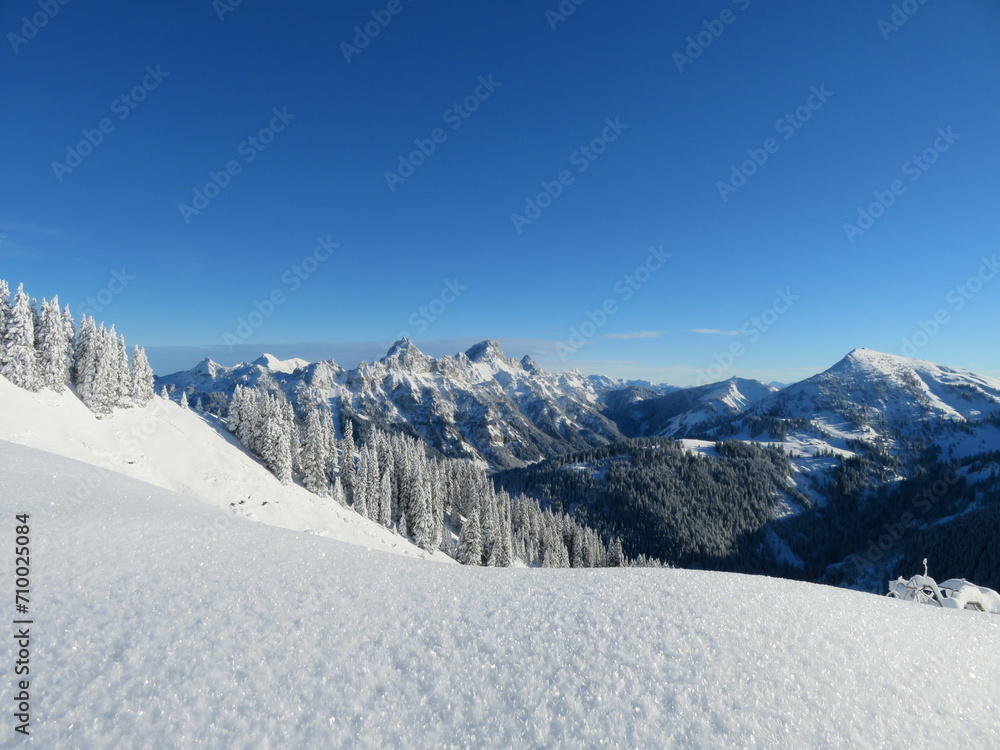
(402, 348)
(485, 351)
(871, 358)
(287, 366)
(889, 400)
(404, 354)
(208, 367)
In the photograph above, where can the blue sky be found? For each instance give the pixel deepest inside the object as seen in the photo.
(764, 267)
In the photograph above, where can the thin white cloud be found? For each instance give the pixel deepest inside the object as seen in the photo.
(635, 335)
(29, 229)
(714, 332)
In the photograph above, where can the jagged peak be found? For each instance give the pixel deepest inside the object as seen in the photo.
(529, 364)
(207, 365)
(402, 348)
(405, 354)
(485, 350)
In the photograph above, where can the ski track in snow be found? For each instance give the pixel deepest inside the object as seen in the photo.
(158, 628)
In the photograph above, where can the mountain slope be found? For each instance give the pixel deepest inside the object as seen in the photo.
(886, 398)
(183, 451)
(155, 635)
(687, 411)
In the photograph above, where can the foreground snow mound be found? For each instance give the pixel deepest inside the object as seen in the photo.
(162, 623)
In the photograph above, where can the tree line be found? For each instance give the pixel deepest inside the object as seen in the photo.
(41, 348)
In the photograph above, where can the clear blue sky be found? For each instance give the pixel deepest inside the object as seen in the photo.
(554, 90)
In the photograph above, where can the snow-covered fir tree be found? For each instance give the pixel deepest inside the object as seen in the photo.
(69, 329)
(142, 378)
(20, 361)
(420, 520)
(280, 445)
(85, 338)
(54, 353)
(315, 454)
(347, 460)
(104, 395)
(360, 483)
(470, 541)
(5, 313)
(122, 375)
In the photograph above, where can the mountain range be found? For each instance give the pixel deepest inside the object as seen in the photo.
(509, 412)
(856, 439)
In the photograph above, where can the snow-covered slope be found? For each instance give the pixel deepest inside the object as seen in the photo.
(157, 628)
(678, 412)
(183, 451)
(478, 404)
(897, 403)
(899, 388)
(687, 411)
